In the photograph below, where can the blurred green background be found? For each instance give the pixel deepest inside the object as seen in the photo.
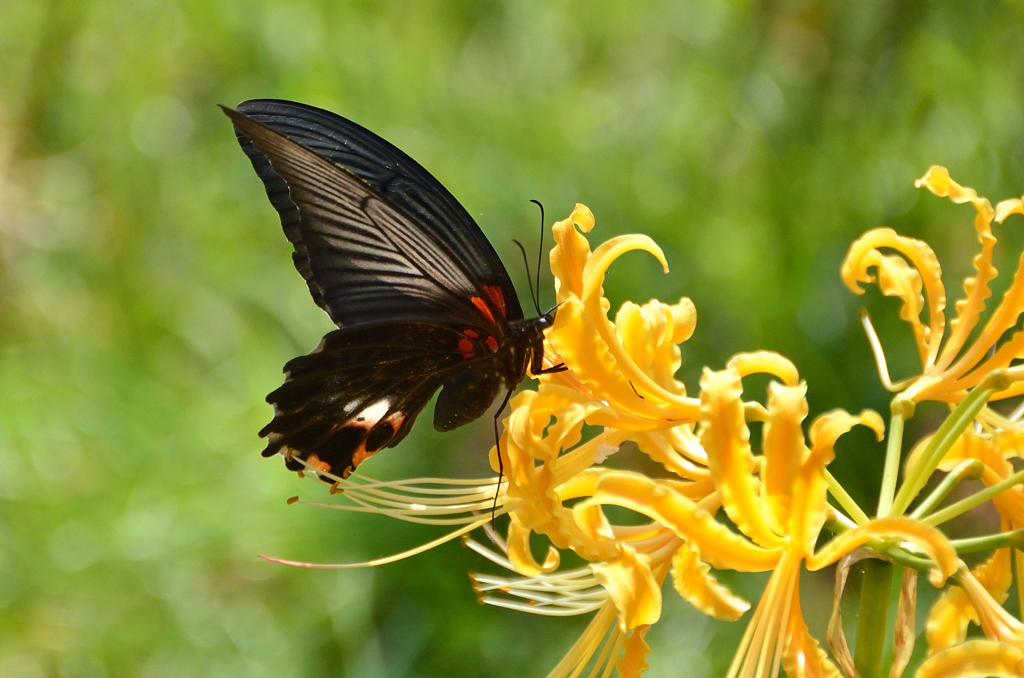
(148, 301)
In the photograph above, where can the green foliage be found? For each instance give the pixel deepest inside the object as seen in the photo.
(147, 298)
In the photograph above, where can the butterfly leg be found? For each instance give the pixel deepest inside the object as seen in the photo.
(537, 364)
(497, 447)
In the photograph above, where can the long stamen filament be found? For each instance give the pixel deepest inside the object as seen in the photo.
(976, 499)
(902, 409)
(948, 432)
(845, 500)
(387, 559)
(879, 353)
(969, 469)
(990, 542)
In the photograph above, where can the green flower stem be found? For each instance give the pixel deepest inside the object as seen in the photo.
(902, 409)
(976, 499)
(845, 501)
(872, 620)
(1014, 539)
(969, 469)
(948, 432)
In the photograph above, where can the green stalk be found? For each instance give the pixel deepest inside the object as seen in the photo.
(872, 620)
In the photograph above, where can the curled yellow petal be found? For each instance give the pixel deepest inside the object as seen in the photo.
(651, 334)
(570, 253)
(694, 582)
(726, 439)
(635, 649)
(827, 428)
(783, 450)
(952, 612)
(519, 552)
(803, 657)
(633, 588)
(864, 254)
(975, 659)
(931, 540)
(969, 309)
(764, 362)
(1007, 207)
(719, 546)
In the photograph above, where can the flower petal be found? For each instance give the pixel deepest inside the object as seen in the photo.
(952, 612)
(969, 309)
(719, 546)
(695, 583)
(521, 557)
(764, 362)
(975, 658)
(783, 450)
(633, 588)
(803, 657)
(570, 253)
(897, 282)
(635, 649)
(726, 439)
(931, 540)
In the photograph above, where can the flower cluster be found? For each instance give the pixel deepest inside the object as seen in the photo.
(718, 504)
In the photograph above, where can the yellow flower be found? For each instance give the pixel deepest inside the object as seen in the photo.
(622, 379)
(1000, 654)
(913, 274)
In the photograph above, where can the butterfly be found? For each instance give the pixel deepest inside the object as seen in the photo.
(420, 298)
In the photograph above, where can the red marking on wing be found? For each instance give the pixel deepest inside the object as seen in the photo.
(472, 334)
(466, 346)
(314, 461)
(492, 343)
(498, 297)
(359, 457)
(483, 307)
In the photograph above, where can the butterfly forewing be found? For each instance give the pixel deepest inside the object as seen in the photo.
(390, 174)
(368, 258)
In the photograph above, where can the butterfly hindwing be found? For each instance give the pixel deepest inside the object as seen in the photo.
(361, 389)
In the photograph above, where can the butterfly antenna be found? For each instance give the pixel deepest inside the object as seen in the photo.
(529, 281)
(540, 253)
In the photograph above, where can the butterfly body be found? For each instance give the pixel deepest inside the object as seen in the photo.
(419, 296)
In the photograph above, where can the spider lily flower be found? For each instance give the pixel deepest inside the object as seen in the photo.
(622, 379)
(950, 616)
(717, 505)
(1002, 651)
(948, 368)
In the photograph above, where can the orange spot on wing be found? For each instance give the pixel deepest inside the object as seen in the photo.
(483, 307)
(492, 343)
(314, 461)
(465, 345)
(498, 298)
(360, 456)
(472, 334)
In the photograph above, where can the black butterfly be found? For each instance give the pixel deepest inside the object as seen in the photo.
(420, 297)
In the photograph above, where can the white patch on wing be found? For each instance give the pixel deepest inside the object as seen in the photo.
(374, 412)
